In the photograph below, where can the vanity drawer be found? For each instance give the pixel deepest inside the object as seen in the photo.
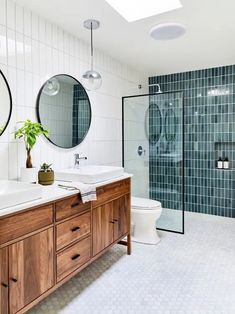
(111, 191)
(70, 206)
(20, 224)
(72, 230)
(73, 257)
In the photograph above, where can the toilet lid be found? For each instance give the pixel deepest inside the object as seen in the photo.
(144, 203)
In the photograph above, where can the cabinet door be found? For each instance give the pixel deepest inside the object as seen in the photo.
(121, 216)
(30, 269)
(103, 227)
(4, 281)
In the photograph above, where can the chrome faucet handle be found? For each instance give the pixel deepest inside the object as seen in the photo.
(77, 158)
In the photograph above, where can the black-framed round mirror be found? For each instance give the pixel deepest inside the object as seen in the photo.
(170, 123)
(63, 106)
(5, 103)
(153, 123)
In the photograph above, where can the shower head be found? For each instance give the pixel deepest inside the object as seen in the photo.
(159, 91)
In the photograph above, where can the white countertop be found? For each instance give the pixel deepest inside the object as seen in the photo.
(53, 192)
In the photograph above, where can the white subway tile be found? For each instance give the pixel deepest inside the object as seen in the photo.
(37, 49)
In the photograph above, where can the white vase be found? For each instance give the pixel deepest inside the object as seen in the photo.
(28, 175)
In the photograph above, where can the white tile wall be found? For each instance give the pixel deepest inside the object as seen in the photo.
(35, 50)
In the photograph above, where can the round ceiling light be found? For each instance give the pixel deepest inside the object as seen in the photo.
(167, 31)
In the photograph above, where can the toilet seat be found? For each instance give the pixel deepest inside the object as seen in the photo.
(138, 203)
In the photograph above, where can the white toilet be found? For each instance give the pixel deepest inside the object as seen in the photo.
(144, 214)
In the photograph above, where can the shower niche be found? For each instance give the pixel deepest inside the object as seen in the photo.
(225, 150)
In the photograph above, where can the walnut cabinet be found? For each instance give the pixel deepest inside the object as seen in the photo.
(43, 247)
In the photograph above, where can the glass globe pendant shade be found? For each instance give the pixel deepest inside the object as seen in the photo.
(52, 87)
(91, 80)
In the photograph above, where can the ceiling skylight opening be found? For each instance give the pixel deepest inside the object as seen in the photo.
(136, 10)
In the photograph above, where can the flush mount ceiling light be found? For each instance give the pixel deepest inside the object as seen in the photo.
(51, 87)
(167, 31)
(91, 79)
(136, 10)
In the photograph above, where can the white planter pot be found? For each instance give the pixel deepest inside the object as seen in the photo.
(29, 175)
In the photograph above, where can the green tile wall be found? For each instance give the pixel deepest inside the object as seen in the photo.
(209, 102)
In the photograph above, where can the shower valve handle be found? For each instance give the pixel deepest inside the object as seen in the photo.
(140, 150)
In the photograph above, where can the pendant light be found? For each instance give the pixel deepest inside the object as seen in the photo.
(91, 79)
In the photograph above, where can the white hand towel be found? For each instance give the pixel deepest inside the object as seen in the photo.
(87, 191)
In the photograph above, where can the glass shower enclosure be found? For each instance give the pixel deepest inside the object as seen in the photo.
(153, 151)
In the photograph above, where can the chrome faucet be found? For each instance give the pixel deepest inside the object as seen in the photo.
(77, 159)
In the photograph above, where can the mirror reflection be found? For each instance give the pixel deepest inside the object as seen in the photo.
(153, 123)
(64, 108)
(170, 123)
(5, 103)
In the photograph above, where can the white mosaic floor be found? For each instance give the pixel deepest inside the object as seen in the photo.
(184, 274)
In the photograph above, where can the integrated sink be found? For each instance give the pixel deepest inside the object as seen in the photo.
(89, 174)
(14, 193)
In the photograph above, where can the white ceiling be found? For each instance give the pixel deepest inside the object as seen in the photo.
(209, 40)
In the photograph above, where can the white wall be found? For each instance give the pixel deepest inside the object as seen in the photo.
(32, 50)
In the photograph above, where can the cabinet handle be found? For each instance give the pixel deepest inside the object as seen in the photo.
(14, 279)
(75, 205)
(112, 222)
(75, 229)
(115, 220)
(4, 285)
(75, 257)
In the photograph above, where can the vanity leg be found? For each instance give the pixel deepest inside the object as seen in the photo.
(129, 244)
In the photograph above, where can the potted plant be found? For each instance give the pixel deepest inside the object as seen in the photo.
(45, 174)
(29, 132)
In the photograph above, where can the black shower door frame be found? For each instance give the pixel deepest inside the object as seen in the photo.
(183, 149)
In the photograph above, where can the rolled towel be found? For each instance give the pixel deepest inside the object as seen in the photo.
(87, 191)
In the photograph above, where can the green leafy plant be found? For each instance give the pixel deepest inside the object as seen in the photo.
(30, 131)
(45, 167)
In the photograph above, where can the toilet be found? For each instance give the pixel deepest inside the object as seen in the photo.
(144, 214)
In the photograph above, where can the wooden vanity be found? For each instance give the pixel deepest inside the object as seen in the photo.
(43, 247)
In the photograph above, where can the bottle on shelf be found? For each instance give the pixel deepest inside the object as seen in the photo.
(220, 163)
(226, 163)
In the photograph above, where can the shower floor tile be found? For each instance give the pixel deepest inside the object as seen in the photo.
(184, 274)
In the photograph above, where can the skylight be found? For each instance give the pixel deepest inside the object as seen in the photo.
(133, 10)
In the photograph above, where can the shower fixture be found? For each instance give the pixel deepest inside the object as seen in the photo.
(91, 79)
(159, 91)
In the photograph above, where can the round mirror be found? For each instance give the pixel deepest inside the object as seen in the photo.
(5, 103)
(153, 123)
(64, 108)
(170, 123)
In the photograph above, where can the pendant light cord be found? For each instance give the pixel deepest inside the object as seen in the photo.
(91, 46)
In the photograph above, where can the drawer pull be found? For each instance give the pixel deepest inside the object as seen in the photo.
(75, 257)
(14, 279)
(75, 229)
(4, 285)
(75, 205)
